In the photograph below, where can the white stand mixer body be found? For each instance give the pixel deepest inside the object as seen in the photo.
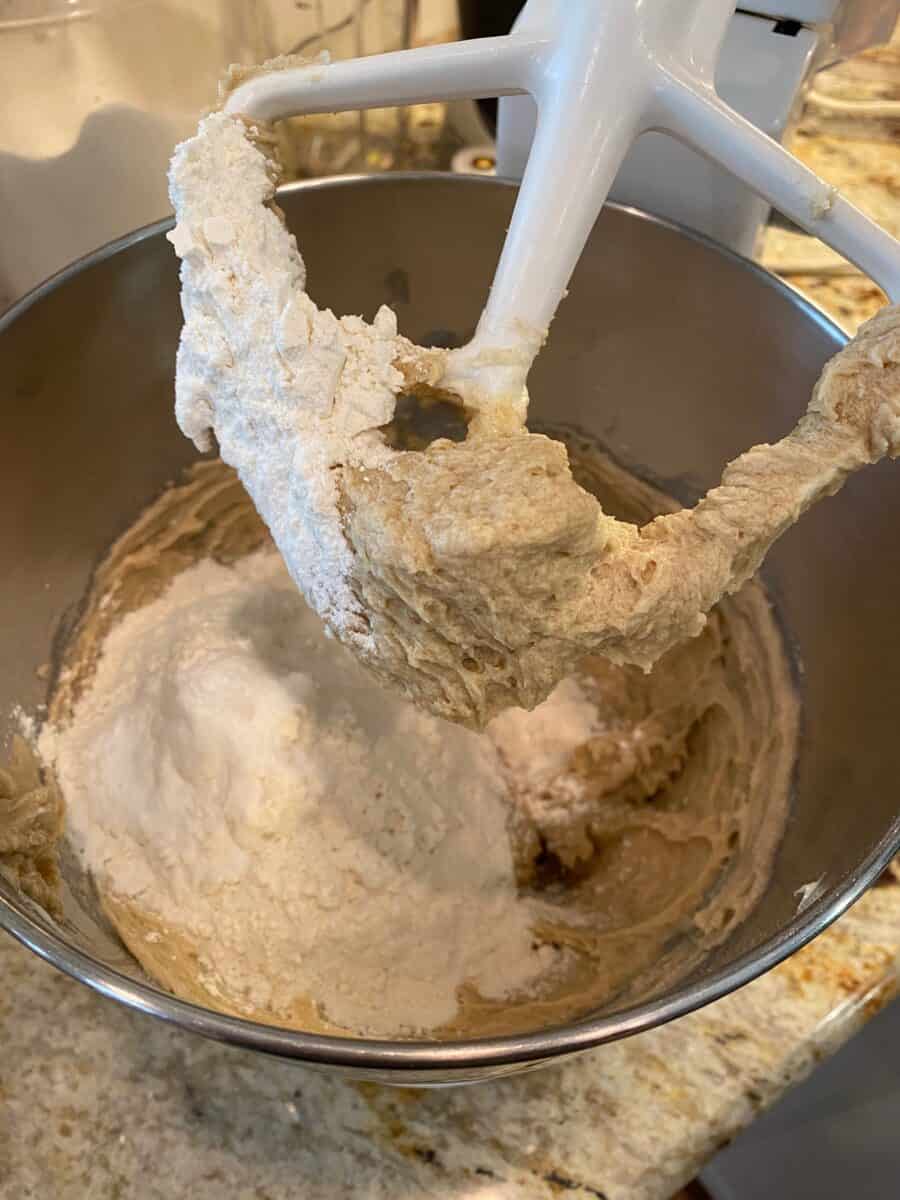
(766, 59)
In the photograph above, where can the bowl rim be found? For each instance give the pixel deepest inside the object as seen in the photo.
(471, 1054)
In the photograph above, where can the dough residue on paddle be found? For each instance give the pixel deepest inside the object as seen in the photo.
(472, 576)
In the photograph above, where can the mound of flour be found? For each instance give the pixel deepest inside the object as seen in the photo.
(233, 774)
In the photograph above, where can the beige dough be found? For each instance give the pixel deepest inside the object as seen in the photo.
(31, 821)
(644, 845)
(469, 576)
(488, 572)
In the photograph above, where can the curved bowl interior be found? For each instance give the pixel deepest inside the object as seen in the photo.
(674, 353)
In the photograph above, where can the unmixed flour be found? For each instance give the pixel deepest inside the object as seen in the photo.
(292, 392)
(258, 819)
(235, 775)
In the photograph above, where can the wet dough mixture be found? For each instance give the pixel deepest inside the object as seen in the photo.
(641, 810)
(471, 576)
(31, 822)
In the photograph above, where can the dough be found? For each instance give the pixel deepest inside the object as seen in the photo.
(31, 821)
(469, 576)
(488, 573)
(640, 845)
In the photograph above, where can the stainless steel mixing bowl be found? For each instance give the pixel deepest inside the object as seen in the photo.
(674, 353)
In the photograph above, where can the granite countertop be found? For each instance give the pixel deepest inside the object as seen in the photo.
(849, 133)
(101, 1102)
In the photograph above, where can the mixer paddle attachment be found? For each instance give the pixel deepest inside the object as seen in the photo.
(600, 74)
(475, 575)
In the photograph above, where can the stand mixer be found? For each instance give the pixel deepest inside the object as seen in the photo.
(768, 55)
(600, 75)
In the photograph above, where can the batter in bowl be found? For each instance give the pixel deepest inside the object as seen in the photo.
(274, 836)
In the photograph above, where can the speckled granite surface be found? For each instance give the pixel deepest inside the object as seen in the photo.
(850, 135)
(101, 1103)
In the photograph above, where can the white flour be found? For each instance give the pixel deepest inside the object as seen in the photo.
(291, 391)
(537, 746)
(234, 772)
